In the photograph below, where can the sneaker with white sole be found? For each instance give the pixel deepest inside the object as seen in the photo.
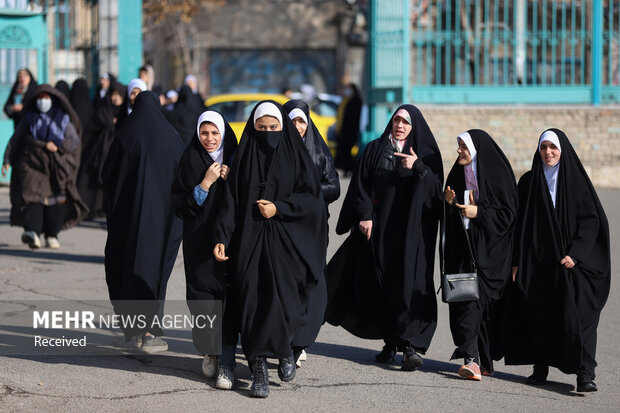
(470, 371)
(152, 344)
(52, 242)
(32, 239)
(225, 378)
(209, 366)
(303, 356)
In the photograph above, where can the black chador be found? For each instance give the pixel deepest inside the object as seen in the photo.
(383, 289)
(143, 232)
(330, 187)
(490, 177)
(554, 310)
(276, 261)
(205, 277)
(186, 110)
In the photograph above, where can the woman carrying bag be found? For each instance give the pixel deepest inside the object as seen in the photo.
(481, 210)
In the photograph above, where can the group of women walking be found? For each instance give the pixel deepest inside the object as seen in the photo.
(252, 214)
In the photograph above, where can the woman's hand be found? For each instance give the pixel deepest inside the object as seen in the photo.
(224, 172)
(5, 169)
(51, 146)
(366, 228)
(212, 174)
(449, 195)
(407, 160)
(567, 262)
(471, 210)
(220, 252)
(17, 107)
(266, 208)
(514, 273)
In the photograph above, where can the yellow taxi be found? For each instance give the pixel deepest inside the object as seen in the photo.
(236, 109)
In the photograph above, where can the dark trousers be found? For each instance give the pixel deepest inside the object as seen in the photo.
(44, 219)
(469, 333)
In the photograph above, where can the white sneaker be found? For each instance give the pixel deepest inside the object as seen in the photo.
(32, 239)
(303, 356)
(52, 242)
(209, 366)
(225, 379)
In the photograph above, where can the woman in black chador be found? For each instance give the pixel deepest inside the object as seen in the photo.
(143, 232)
(483, 171)
(380, 281)
(45, 154)
(186, 110)
(299, 113)
(22, 91)
(198, 192)
(561, 266)
(273, 227)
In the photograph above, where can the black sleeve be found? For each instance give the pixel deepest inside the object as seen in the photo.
(9, 102)
(330, 182)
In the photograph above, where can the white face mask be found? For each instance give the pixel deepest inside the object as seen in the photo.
(44, 104)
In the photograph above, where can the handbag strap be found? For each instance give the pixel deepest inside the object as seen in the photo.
(443, 240)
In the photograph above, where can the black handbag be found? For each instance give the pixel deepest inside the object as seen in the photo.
(460, 286)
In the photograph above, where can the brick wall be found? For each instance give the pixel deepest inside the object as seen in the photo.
(593, 132)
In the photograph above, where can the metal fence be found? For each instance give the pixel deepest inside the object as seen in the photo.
(495, 51)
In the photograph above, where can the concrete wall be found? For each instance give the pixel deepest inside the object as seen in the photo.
(593, 131)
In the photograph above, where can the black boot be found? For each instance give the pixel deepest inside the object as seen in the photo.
(286, 368)
(411, 360)
(387, 355)
(260, 381)
(539, 376)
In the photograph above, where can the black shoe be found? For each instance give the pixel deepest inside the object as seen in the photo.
(411, 360)
(387, 355)
(260, 380)
(586, 387)
(539, 376)
(286, 369)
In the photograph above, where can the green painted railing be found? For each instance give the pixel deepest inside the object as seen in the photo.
(494, 51)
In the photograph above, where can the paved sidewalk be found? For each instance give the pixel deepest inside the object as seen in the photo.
(339, 373)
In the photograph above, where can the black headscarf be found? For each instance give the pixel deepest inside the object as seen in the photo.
(143, 232)
(276, 261)
(80, 101)
(186, 111)
(550, 303)
(491, 231)
(63, 87)
(384, 288)
(321, 156)
(32, 86)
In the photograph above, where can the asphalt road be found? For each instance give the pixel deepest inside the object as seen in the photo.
(339, 373)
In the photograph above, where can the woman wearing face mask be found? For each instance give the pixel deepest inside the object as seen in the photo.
(45, 154)
(272, 226)
(299, 113)
(197, 191)
(561, 266)
(96, 149)
(483, 179)
(23, 90)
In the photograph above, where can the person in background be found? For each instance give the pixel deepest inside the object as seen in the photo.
(134, 87)
(64, 88)
(299, 113)
(23, 89)
(171, 99)
(106, 80)
(45, 154)
(348, 128)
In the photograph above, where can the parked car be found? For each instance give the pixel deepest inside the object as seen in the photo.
(236, 108)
